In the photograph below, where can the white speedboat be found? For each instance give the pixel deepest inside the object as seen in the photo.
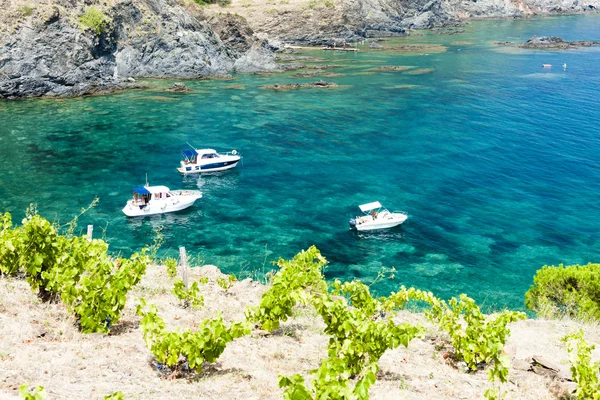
(150, 200)
(375, 216)
(207, 160)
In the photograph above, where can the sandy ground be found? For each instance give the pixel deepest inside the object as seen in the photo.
(39, 344)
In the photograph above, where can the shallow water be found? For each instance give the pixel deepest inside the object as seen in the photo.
(493, 157)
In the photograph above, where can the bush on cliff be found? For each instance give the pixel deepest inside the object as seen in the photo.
(572, 291)
(222, 3)
(95, 20)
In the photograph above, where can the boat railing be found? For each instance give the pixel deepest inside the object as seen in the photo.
(186, 192)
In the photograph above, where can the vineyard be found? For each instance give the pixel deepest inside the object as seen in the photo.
(299, 337)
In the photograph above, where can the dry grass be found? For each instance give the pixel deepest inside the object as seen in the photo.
(39, 344)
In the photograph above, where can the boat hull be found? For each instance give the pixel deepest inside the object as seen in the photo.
(162, 206)
(212, 167)
(370, 224)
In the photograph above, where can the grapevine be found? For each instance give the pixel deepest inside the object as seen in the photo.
(359, 329)
(187, 349)
(226, 282)
(191, 296)
(78, 271)
(292, 284)
(584, 372)
(171, 265)
(476, 339)
(37, 394)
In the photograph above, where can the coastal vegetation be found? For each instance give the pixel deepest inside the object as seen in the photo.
(360, 328)
(76, 270)
(585, 373)
(566, 291)
(95, 20)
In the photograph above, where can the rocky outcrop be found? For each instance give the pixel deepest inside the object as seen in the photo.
(323, 22)
(354, 20)
(555, 43)
(56, 60)
(550, 43)
(144, 39)
(181, 45)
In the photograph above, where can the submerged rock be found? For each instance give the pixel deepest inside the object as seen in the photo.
(312, 73)
(421, 71)
(307, 74)
(321, 66)
(294, 86)
(398, 68)
(179, 87)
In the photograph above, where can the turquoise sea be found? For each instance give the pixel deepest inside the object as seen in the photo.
(494, 158)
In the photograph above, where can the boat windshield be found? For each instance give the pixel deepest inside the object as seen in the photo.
(189, 156)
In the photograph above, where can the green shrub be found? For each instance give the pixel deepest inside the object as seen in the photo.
(9, 242)
(584, 372)
(572, 291)
(296, 280)
(187, 349)
(222, 3)
(91, 283)
(94, 20)
(37, 394)
(226, 283)
(115, 396)
(171, 265)
(25, 11)
(191, 296)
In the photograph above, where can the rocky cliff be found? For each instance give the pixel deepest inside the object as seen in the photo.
(53, 53)
(77, 47)
(323, 21)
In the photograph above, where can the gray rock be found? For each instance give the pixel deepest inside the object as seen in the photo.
(257, 59)
(553, 42)
(58, 59)
(179, 87)
(563, 390)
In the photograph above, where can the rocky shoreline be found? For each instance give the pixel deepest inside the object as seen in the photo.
(53, 57)
(49, 51)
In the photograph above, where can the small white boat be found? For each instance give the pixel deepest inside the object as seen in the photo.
(375, 216)
(150, 200)
(207, 160)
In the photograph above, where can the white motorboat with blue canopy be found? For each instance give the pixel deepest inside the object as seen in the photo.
(150, 200)
(207, 160)
(376, 216)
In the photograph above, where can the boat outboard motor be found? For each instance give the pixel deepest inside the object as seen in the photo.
(352, 223)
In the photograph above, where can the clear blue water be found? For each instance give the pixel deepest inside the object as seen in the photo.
(493, 157)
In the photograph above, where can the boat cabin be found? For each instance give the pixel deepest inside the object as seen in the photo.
(192, 156)
(143, 195)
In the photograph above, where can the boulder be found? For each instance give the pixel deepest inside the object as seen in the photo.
(178, 87)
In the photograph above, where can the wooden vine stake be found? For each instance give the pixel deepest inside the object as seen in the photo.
(183, 266)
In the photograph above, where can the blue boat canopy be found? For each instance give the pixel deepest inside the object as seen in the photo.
(141, 190)
(190, 153)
